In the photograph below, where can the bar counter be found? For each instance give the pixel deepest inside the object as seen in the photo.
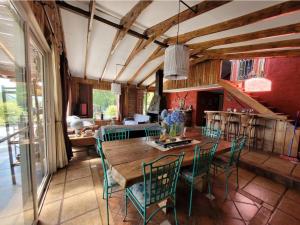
(270, 133)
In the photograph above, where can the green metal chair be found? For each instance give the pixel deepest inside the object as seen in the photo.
(108, 182)
(228, 166)
(203, 156)
(116, 134)
(159, 183)
(208, 132)
(154, 131)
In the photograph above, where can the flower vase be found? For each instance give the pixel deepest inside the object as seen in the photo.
(173, 132)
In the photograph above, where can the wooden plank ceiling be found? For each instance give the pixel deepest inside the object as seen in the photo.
(124, 41)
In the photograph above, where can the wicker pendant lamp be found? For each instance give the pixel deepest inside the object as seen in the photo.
(176, 61)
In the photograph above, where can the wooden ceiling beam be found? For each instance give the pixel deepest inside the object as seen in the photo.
(157, 53)
(81, 12)
(128, 20)
(254, 47)
(92, 8)
(126, 23)
(284, 30)
(247, 55)
(266, 13)
(159, 29)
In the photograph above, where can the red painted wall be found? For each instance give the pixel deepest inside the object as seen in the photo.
(231, 102)
(284, 72)
(191, 99)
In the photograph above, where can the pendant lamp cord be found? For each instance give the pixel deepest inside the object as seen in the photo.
(178, 22)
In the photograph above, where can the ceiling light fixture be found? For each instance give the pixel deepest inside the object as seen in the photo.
(176, 61)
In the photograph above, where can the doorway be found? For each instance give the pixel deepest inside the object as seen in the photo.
(208, 101)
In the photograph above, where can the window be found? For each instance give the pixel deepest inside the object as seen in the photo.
(147, 100)
(104, 102)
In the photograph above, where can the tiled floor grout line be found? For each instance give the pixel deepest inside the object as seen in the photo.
(62, 200)
(239, 212)
(98, 203)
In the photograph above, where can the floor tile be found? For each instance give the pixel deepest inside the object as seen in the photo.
(293, 195)
(78, 173)
(59, 177)
(262, 217)
(255, 157)
(78, 205)
(269, 184)
(89, 218)
(281, 218)
(296, 172)
(290, 207)
(262, 193)
(78, 186)
(281, 165)
(247, 211)
(50, 213)
(54, 193)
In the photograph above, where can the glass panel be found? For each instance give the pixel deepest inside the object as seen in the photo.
(16, 200)
(147, 100)
(37, 69)
(104, 104)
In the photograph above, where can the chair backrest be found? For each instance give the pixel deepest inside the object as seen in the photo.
(160, 177)
(208, 132)
(203, 157)
(100, 152)
(116, 134)
(237, 146)
(152, 131)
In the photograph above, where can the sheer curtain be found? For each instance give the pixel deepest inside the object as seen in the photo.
(60, 151)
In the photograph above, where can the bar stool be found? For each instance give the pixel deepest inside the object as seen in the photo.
(209, 118)
(245, 124)
(254, 128)
(233, 126)
(216, 121)
(224, 123)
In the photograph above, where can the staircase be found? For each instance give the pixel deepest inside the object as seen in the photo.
(252, 101)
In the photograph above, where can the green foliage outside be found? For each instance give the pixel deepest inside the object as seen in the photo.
(104, 101)
(111, 111)
(13, 112)
(147, 100)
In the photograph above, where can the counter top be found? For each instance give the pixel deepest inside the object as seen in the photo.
(266, 116)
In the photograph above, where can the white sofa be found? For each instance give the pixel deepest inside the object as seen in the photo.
(137, 119)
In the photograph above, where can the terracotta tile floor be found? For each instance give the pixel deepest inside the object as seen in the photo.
(75, 198)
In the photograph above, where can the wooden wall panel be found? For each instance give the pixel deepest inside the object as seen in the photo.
(205, 73)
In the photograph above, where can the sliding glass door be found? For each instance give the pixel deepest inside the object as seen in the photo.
(16, 186)
(37, 73)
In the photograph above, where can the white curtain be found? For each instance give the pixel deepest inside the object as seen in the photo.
(60, 159)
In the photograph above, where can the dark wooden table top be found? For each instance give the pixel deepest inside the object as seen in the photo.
(126, 156)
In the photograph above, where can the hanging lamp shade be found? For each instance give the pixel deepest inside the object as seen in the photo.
(116, 88)
(176, 62)
(258, 84)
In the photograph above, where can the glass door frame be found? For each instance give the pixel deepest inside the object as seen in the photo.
(32, 39)
(33, 31)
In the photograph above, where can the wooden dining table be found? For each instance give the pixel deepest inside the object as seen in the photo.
(125, 157)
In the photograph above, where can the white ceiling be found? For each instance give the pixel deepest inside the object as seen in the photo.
(75, 33)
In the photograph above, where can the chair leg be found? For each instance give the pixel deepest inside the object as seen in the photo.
(175, 214)
(104, 190)
(209, 185)
(107, 209)
(191, 198)
(125, 206)
(226, 185)
(237, 177)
